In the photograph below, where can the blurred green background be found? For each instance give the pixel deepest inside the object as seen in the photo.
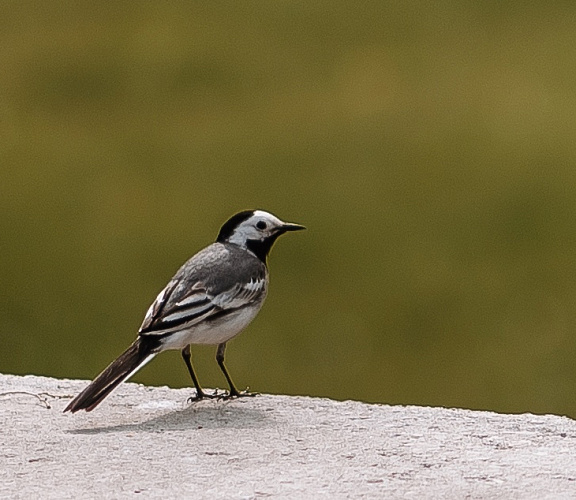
(430, 148)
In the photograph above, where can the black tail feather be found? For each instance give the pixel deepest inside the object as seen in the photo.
(119, 370)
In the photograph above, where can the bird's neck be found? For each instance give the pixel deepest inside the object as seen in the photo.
(261, 248)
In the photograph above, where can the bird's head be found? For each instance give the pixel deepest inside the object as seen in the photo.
(255, 230)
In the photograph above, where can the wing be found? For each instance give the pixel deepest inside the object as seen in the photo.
(180, 306)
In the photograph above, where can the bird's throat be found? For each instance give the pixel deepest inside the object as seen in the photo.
(261, 248)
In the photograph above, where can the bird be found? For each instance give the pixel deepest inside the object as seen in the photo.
(210, 300)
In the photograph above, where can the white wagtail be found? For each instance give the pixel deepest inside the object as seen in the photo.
(210, 300)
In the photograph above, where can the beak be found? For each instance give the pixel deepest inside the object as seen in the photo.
(291, 227)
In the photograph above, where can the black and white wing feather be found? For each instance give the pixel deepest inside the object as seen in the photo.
(195, 294)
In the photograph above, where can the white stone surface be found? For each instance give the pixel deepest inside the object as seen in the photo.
(148, 442)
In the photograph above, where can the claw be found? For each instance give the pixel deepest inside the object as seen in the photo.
(232, 395)
(203, 395)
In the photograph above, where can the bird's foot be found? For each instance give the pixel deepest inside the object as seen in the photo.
(200, 395)
(236, 394)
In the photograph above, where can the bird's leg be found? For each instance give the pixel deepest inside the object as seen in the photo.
(200, 394)
(234, 393)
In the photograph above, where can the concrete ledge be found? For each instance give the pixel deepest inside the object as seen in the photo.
(148, 442)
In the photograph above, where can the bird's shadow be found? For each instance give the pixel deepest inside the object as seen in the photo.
(193, 417)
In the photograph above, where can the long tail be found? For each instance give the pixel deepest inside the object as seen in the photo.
(121, 369)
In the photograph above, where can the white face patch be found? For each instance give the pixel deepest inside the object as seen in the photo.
(259, 226)
(268, 216)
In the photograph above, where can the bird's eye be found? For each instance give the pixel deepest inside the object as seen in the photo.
(261, 225)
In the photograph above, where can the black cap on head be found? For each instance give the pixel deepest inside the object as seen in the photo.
(232, 223)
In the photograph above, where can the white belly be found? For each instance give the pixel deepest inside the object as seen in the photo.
(215, 331)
